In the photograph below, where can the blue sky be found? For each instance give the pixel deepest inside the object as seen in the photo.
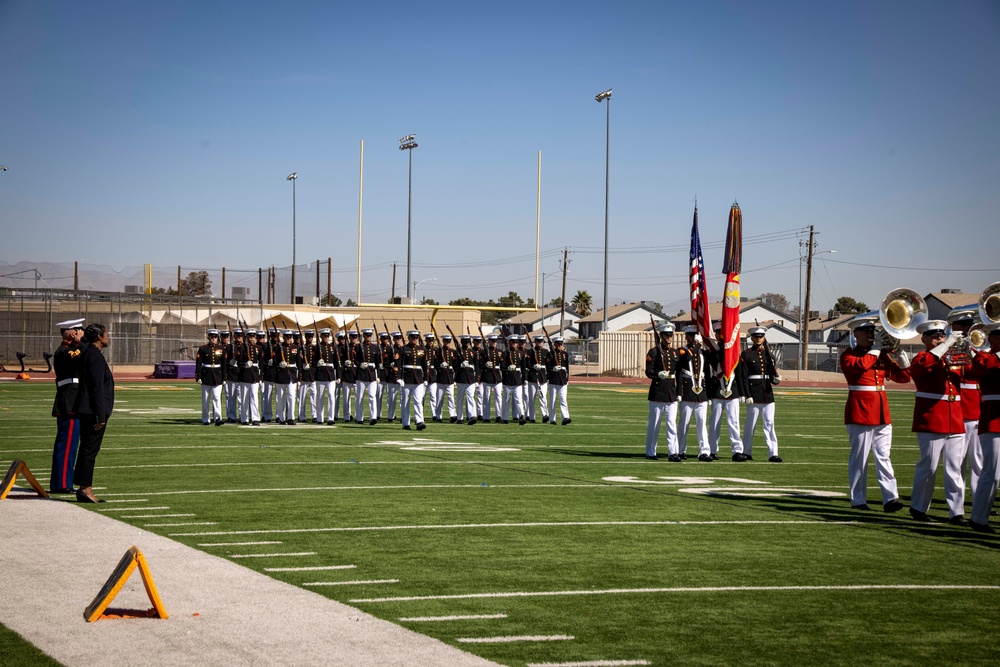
(162, 133)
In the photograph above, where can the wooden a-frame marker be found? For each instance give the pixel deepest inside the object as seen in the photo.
(20, 468)
(132, 559)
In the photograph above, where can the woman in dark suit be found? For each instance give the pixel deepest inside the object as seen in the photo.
(97, 399)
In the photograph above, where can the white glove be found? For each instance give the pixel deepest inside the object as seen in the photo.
(401, 383)
(283, 365)
(270, 362)
(749, 400)
(364, 365)
(558, 369)
(198, 380)
(953, 338)
(321, 363)
(337, 381)
(347, 364)
(232, 362)
(425, 384)
(663, 375)
(539, 367)
(489, 364)
(743, 399)
(306, 367)
(776, 379)
(466, 364)
(903, 359)
(443, 366)
(512, 368)
(247, 364)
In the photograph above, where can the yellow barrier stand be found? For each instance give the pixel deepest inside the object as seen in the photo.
(20, 468)
(132, 559)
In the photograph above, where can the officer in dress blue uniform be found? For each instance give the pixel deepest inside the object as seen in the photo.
(210, 373)
(66, 364)
(411, 362)
(761, 376)
(662, 362)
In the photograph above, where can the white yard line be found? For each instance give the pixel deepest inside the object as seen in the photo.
(310, 489)
(592, 663)
(238, 544)
(157, 516)
(433, 619)
(294, 553)
(314, 568)
(351, 583)
(683, 589)
(514, 638)
(172, 525)
(131, 509)
(537, 524)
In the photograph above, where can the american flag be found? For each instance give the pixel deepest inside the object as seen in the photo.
(699, 287)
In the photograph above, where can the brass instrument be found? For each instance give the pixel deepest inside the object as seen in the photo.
(989, 304)
(902, 311)
(977, 337)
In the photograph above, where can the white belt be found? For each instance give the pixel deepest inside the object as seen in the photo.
(990, 397)
(939, 397)
(758, 377)
(689, 374)
(211, 366)
(969, 385)
(63, 383)
(870, 387)
(414, 367)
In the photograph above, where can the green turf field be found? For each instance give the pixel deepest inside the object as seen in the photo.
(551, 544)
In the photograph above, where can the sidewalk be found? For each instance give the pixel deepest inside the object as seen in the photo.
(56, 556)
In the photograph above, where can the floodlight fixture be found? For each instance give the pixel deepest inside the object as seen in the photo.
(603, 96)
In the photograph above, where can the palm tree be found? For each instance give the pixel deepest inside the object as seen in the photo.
(582, 303)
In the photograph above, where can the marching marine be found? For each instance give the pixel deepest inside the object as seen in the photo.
(761, 377)
(210, 373)
(661, 368)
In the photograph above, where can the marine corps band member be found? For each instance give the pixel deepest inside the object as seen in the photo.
(725, 401)
(961, 320)
(537, 380)
(412, 367)
(692, 374)
(491, 376)
(466, 377)
(938, 423)
(986, 369)
(307, 376)
(369, 357)
(444, 362)
(269, 359)
(761, 376)
(66, 362)
(248, 359)
(327, 361)
(661, 368)
(232, 373)
(557, 368)
(513, 379)
(349, 374)
(210, 374)
(867, 367)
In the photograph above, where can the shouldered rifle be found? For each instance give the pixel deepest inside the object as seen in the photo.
(659, 344)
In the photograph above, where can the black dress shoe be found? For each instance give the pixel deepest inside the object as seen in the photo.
(471, 422)
(958, 520)
(244, 423)
(704, 457)
(919, 516)
(255, 423)
(715, 457)
(522, 421)
(567, 422)
(218, 422)
(497, 420)
(504, 421)
(862, 506)
(892, 506)
(406, 428)
(534, 422)
(289, 423)
(747, 457)
(330, 423)
(739, 457)
(652, 458)
(545, 420)
(373, 422)
(421, 426)
(774, 459)
(453, 420)
(674, 458)
(684, 457)
(982, 527)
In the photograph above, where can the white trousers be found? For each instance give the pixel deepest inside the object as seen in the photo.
(557, 397)
(392, 399)
(380, 397)
(731, 408)
(347, 393)
(267, 401)
(989, 478)
(432, 397)
(764, 412)
(211, 402)
(661, 413)
(933, 448)
(443, 392)
(700, 412)
(867, 440)
(232, 400)
(307, 390)
(479, 399)
(533, 391)
(249, 412)
(973, 454)
(511, 400)
(326, 400)
(285, 397)
(364, 389)
(467, 402)
(413, 395)
(490, 391)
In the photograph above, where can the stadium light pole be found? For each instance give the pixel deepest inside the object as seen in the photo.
(293, 177)
(407, 143)
(606, 95)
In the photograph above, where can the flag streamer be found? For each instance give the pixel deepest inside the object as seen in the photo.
(731, 297)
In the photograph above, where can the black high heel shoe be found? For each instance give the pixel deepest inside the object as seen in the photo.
(82, 497)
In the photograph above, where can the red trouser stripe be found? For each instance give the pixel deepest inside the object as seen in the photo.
(69, 441)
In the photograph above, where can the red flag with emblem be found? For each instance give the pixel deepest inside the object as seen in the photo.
(731, 297)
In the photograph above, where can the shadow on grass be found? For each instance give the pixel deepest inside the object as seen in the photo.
(596, 454)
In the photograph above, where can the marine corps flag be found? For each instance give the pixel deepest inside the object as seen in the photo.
(731, 298)
(699, 287)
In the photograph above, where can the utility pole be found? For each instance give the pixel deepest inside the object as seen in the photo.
(562, 305)
(804, 342)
